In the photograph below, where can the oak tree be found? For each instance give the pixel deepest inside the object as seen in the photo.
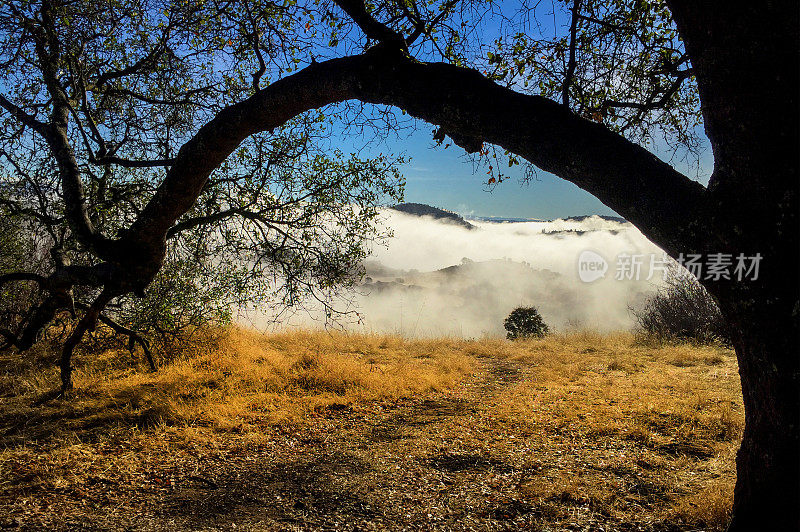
(126, 123)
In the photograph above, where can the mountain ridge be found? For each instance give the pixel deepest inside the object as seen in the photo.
(442, 215)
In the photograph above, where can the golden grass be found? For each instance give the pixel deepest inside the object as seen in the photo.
(247, 377)
(615, 424)
(678, 406)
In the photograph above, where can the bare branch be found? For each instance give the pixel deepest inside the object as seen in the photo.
(652, 102)
(572, 63)
(133, 336)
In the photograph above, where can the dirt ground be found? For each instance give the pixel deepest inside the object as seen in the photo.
(450, 460)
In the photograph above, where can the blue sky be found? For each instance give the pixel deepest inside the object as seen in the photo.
(447, 178)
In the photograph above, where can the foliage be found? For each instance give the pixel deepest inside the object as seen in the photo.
(525, 322)
(682, 310)
(183, 300)
(620, 63)
(99, 100)
(284, 221)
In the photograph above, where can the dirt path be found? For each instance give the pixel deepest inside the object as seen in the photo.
(428, 463)
(487, 454)
(576, 437)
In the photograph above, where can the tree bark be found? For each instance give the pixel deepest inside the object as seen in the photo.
(745, 55)
(86, 324)
(766, 496)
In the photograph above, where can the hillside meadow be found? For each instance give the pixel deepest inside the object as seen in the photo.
(308, 430)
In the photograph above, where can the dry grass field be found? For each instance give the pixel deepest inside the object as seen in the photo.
(307, 431)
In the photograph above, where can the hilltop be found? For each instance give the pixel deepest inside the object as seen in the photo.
(443, 215)
(421, 209)
(584, 217)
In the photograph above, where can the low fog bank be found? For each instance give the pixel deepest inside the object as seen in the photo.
(436, 278)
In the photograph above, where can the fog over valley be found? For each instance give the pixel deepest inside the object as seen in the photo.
(443, 276)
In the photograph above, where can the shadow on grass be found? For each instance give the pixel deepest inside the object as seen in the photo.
(310, 492)
(82, 415)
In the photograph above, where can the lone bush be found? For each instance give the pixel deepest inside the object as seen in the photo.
(525, 322)
(682, 310)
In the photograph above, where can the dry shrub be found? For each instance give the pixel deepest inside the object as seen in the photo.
(682, 310)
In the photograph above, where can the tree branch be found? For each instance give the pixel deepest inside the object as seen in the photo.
(48, 53)
(357, 10)
(22, 276)
(146, 63)
(663, 203)
(572, 62)
(652, 103)
(15, 209)
(197, 221)
(133, 336)
(130, 163)
(25, 118)
(87, 323)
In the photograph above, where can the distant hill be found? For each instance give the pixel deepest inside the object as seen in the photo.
(495, 271)
(503, 220)
(601, 216)
(420, 209)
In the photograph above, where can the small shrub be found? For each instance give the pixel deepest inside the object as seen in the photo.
(525, 322)
(682, 310)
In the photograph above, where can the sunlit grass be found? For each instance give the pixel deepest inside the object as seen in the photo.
(681, 401)
(619, 420)
(247, 377)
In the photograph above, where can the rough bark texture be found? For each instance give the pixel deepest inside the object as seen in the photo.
(746, 58)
